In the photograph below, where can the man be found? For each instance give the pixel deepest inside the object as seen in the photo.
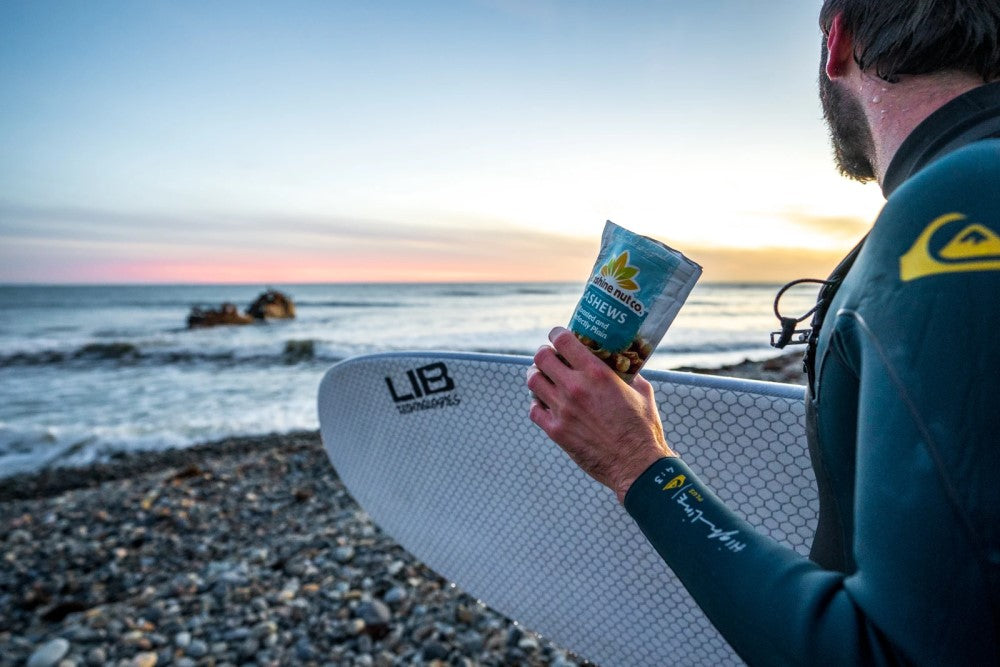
(903, 411)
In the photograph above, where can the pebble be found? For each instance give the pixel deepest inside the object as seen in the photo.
(472, 642)
(264, 629)
(434, 651)
(374, 613)
(147, 659)
(19, 536)
(304, 651)
(394, 595)
(49, 654)
(224, 567)
(97, 656)
(248, 648)
(344, 554)
(528, 644)
(196, 649)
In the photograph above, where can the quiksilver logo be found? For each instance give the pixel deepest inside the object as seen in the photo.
(951, 244)
(676, 482)
(425, 388)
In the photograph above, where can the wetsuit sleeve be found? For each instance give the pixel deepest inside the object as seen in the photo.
(770, 603)
(906, 390)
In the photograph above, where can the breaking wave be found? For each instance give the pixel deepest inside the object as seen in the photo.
(129, 354)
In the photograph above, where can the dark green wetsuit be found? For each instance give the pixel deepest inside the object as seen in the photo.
(905, 437)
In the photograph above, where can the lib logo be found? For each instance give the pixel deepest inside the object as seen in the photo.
(414, 393)
(950, 244)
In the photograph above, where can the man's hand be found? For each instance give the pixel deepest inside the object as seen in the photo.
(611, 429)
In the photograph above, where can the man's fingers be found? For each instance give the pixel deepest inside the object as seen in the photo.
(548, 361)
(541, 387)
(571, 349)
(641, 385)
(540, 415)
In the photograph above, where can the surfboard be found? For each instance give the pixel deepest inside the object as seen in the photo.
(437, 447)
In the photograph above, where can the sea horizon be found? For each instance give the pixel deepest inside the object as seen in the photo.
(88, 370)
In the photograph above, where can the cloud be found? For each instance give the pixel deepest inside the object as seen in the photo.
(841, 227)
(50, 241)
(765, 265)
(45, 244)
(292, 231)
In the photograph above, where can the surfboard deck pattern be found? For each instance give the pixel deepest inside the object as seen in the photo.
(439, 450)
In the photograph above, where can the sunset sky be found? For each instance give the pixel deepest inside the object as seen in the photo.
(393, 140)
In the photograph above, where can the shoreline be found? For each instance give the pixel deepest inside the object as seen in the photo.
(246, 550)
(50, 481)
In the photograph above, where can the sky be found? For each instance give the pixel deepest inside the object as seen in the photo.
(394, 140)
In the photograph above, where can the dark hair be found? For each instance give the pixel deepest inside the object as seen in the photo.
(921, 36)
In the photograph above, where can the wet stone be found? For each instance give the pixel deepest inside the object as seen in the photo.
(528, 644)
(374, 613)
(49, 654)
(394, 595)
(343, 554)
(304, 650)
(434, 651)
(146, 659)
(472, 642)
(248, 648)
(196, 649)
(97, 656)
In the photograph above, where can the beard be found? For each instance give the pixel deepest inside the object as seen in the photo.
(850, 134)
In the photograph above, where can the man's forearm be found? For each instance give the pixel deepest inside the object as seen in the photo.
(773, 605)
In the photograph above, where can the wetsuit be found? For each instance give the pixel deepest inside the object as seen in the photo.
(905, 436)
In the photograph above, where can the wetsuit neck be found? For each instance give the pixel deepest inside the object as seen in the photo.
(969, 117)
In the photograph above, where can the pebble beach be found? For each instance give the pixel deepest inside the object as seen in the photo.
(245, 551)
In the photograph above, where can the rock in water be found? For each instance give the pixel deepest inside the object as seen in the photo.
(210, 317)
(272, 304)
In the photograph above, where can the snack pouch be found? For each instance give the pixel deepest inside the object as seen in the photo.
(635, 291)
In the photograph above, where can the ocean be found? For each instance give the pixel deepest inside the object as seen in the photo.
(89, 371)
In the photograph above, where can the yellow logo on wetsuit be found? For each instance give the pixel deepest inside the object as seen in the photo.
(675, 483)
(973, 247)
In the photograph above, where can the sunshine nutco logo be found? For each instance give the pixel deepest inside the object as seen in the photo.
(617, 278)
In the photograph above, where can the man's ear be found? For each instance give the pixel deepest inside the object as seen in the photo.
(840, 46)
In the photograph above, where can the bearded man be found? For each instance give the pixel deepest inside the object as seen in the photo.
(903, 414)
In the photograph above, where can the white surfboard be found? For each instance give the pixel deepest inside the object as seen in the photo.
(439, 450)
